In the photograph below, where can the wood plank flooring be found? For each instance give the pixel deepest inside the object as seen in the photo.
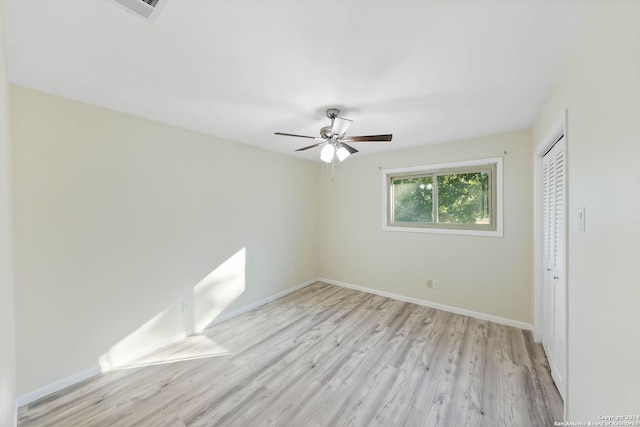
(323, 356)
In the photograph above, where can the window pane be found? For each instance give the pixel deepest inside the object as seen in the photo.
(464, 198)
(413, 199)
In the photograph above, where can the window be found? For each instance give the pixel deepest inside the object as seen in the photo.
(455, 198)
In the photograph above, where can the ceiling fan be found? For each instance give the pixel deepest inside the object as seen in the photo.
(334, 140)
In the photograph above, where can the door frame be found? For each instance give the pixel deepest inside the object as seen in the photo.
(558, 130)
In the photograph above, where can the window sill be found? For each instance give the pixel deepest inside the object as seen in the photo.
(485, 233)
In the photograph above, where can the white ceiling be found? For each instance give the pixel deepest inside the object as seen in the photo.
(427, 71)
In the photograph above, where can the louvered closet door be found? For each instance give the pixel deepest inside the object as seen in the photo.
(554, 299)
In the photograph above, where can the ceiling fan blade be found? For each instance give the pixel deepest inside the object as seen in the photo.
(349, 148)
(293, 134)
(310, 146)
(340, 126)
(370, 138)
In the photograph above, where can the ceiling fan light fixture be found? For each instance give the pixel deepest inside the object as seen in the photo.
(342, 153)
(326, 155)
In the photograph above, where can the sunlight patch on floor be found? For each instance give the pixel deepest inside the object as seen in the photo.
(190, 348)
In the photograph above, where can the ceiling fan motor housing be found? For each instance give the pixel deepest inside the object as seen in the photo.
(325, 132)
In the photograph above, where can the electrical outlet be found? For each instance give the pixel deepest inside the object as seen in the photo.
(186, 306)
(429, 283)
(436, 284)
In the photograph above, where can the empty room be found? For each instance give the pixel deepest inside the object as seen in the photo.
(319, 213)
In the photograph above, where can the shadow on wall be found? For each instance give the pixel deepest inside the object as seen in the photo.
(182, 319)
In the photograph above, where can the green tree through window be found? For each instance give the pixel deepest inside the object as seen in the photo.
(413, 199)
(456, 198)
(464, 198)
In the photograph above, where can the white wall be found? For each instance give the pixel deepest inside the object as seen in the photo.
(600, 87)
(117, 219)
(7, 331)
(484, 274)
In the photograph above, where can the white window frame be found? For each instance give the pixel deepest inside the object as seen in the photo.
(498, 232)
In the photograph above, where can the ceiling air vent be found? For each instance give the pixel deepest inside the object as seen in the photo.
(147, 9)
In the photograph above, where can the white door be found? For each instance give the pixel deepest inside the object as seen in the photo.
(554, 295)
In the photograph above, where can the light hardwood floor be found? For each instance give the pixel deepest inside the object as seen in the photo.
(324, 356)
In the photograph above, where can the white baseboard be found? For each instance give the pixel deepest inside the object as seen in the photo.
(257, 304)
(108, 364)
(451, 309)
(32, 396)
